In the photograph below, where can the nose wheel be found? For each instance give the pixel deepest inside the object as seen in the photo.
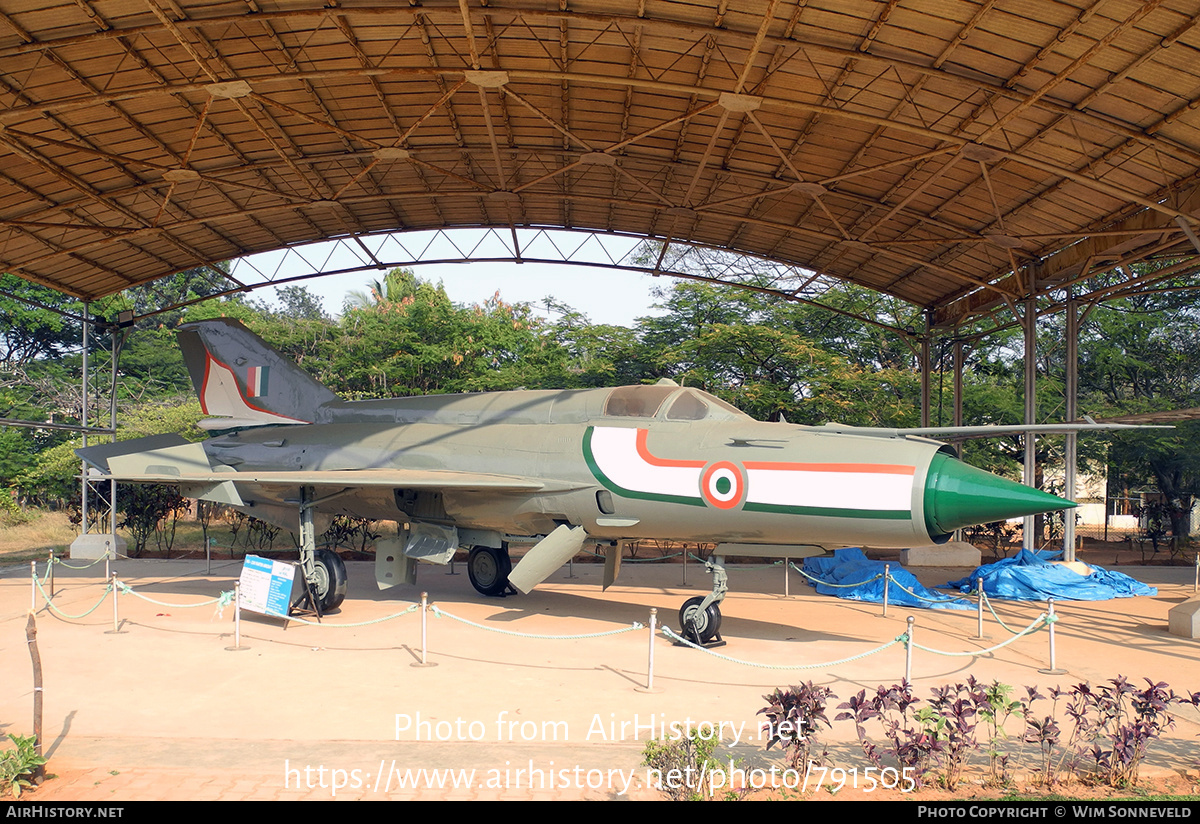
(701, 624)
(700, 617)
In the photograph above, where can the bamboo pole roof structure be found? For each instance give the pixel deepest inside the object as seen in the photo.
(960, 156)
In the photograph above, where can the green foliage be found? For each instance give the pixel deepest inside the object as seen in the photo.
(424, 343)
(146, 507)
(1143, 355)
(773, 358)
(17, 766)
(11, 513)
(52, 479)
(17, 448)
(29, 332)
(684, 767)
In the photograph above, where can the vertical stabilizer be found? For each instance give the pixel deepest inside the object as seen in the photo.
(243, 381)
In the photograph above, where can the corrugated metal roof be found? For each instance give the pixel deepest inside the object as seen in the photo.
(928, 150)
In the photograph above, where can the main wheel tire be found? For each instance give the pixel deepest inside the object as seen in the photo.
(330, 588)
(488, 569)
(707, 621)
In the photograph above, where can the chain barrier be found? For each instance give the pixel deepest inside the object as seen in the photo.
(61, 562)
(831, 584)
(676, 638)
(635, 626)
(631, 560)
(222, 600)
(988, 603)
(49, 603)
(947, 599)
(1037, 622)
(402, 613)
(225, 598)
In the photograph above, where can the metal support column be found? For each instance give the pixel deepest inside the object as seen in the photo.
(117, 335)
(958, 382)
(1030, 475)
(84, 519)
(958, 405)
(1072, 403)
(926, 394)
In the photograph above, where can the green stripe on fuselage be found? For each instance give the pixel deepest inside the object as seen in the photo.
(629, 493)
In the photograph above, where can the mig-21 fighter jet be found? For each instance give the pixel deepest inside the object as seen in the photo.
(553, 469)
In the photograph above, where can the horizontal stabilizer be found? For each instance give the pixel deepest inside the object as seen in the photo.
(98, 455)
(164, 459)
(168, 462)
(546, 556)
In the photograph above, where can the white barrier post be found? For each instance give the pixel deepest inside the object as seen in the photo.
(116, 630)
(908, 647)
(33, 586)
(237, 618)
(887, 580)
(424, 632)
(979, 594)
(1050, 621)
(650, 664)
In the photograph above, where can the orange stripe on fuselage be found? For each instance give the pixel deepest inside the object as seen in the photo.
(783, 466)
(645, 455)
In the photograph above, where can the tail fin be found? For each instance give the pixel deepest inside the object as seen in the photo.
(244, 380)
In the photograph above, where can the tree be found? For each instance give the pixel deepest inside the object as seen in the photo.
(424, 343)
(1142, 354)
(29, 332)
(397, 284)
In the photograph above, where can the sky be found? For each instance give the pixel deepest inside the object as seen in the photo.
(606, 296)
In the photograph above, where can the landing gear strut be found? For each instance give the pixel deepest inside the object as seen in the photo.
(700, 617)
(324, 573)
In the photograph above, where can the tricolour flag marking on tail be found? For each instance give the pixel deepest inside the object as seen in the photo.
(256, 381)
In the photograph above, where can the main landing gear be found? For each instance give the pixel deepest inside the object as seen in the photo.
(323, 570)
(488, 569)
(329, 588)
(700, 617)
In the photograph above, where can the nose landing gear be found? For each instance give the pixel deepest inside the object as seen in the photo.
(700, 617)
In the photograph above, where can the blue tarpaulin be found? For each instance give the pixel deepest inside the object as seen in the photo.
(1027, 577)
(850, 566)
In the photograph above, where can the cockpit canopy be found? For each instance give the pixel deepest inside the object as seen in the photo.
(681, 404)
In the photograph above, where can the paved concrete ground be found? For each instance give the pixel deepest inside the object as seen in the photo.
(163, 710)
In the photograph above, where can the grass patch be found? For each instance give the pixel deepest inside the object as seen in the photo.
(34, 537)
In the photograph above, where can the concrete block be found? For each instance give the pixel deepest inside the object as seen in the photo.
(952, 554)
(93, 546)
(1184, 619)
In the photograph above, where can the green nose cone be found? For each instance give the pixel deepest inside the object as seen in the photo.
(957, 495)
